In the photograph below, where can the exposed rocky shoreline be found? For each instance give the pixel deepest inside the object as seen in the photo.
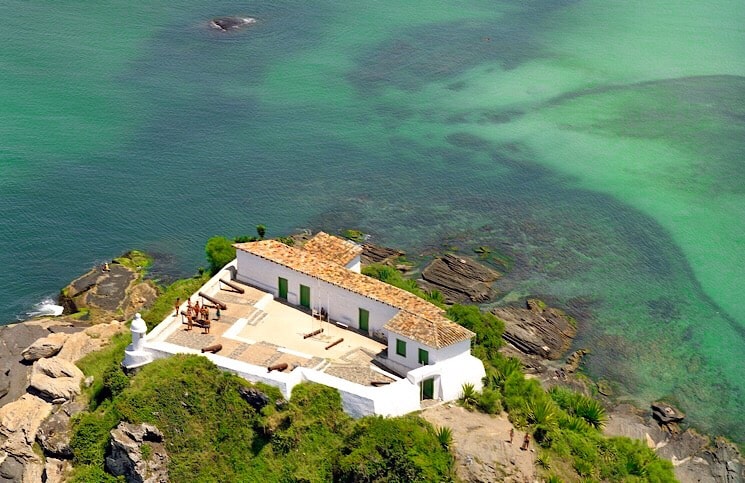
(539, 335)
(40, 382)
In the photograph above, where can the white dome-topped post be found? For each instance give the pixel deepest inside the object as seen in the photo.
(135, 355)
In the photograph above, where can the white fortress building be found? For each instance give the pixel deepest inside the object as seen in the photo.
(307, 314)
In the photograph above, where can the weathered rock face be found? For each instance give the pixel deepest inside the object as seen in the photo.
(106, 291)
(4, 378)
(55, 470)
(537, 329)
(55, 379)
(45, 347)
(91, 339)
(13, 373)
(379, 254)
(54, 432)
(666, 414)
(255, 398)
(20, 420)
(125, 454)
(11, 468)
(459, 279)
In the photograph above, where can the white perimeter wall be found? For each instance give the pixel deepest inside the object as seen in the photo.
(342, 305)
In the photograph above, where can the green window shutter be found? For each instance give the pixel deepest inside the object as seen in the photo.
(423, 357)
(400, 347)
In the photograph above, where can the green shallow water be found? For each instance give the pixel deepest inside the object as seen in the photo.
(599, 145)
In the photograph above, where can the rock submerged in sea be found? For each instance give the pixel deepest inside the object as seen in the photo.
(226, 24)
(537, 329)
(666, 414)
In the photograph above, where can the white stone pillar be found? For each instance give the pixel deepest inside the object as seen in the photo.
(136, 355)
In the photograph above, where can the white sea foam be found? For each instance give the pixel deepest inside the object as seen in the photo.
(46, 307)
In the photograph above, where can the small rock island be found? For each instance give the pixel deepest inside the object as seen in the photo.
(226, 24)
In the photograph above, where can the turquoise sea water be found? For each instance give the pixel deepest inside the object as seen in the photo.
(600, 144)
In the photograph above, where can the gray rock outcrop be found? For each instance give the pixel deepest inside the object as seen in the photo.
(574, 360)
(379, 254)
(537, 329)
(54, 432)
(459, 279)
(225, 24)
(255, 398)
(666, 414)
(125, 455)
(13, 372)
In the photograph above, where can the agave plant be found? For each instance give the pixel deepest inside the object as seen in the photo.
(444, 436)
(574, 423)
(543, 416)
(591, 411)
(468, 396)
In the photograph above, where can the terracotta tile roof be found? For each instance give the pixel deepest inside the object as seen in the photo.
(333, 248)
(436, 330)
(433, 332)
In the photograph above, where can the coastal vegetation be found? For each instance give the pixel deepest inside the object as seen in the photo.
(308, 438)
(566, 425)
(220, 250)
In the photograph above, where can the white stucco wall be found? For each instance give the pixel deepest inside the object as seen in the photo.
(355, 264)
(462, 347)
(450, 375)
(342, 305)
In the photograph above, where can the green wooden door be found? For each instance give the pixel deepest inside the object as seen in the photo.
(428, 389)
(364, 320)
(305, 296)
(283, 288)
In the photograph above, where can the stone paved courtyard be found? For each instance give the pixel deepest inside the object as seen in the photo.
(273, 334)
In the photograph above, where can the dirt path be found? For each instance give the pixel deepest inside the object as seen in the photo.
(481, 445)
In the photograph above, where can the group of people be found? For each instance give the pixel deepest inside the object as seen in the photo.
(199, 314)
(526, 440)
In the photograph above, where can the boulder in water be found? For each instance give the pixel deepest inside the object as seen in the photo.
(225, 24)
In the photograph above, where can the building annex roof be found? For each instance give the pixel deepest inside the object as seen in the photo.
(419, 320)
(332, 248)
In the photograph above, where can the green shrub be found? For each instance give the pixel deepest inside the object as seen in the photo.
(487, 327)
(489, 401)
(581, 406)
(391, 276)
(114, 381)
(261, 231)
(90, 437)
(402, 449)
(219, 252)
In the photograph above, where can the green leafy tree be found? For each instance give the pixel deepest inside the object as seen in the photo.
(219, 252)
(261, 231)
